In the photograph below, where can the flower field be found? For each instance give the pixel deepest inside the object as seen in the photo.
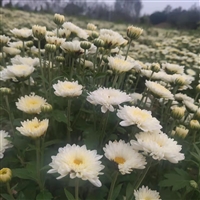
(93, 110)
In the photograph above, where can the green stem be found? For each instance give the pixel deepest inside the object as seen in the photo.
(105, 121)
(71, 69)
(137, 81)
(3, 57)
(196, 97)
(112, 185)
(143, 176)
(41, 68)
(128, 49)
(77, 189)
(10, 114)
(115, 80)
(9, 191)
(23, 48)
(38, 163)
(68, 120)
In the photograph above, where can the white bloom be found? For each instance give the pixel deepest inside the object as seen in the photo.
(124, 156)
(72, 47)
(4, 143)
(30, 104)
(11, 51)
(136, 97)
(67, 89)
(107, 97)
(119, 64)
(78, 162)
(22, 33)
(159, 146)
(17, 45)
(183, 97)
(190, 105)
(4, 40)
(54, 40)
(75, 29)
(159, 90)
(142, 118)
(33, 128)
(111, 38)
(5, 75)
(17, 60)
(144, 193)
(21, 70)
(173, 68)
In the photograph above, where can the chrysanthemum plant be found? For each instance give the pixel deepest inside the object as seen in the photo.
(81, 119)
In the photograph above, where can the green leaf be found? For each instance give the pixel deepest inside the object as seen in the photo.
(177, 180)
(21, 196)
(6, 196)
(44, 195)
(69, 195)
(60, 116)
(129, 191)
(116, 191)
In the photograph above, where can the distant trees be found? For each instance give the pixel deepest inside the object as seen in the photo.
(187, 19)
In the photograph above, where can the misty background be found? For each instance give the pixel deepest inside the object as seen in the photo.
(182, 14)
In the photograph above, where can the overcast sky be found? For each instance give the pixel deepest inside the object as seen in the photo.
(150, 6)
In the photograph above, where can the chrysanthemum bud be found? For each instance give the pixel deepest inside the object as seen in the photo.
(85, 45)
(109, 72)
(5, 90)
(5, 175)
(39, 32)
(59, 19)
(181, 131)
(134, 32)
(29, 44)
(60, 58)
(197, 114)
(194, 184)
(98, 42)
(155, 67)
(91, 27)
(194, 124)
(46, 108)
(178, 112)
(50, 48)
(198, 88)
(94, 34)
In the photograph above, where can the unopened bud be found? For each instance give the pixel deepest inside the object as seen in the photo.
(91, 27)
(39, 32)
(59, 19)
(194, 184)
(50, 48)
(29, 44)
(85, 45)
(178, 112)
(194, 124)
(155, 67)
(181, 131)
(46, 108)
(198, 88)
(98, 42)
(5, 90)
(134, 32)
(60, 58)
(5, 175)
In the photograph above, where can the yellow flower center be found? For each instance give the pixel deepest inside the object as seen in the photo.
(119, 160)
(78, 161)
(21, 67)
(69, 86)
(140, 114)
(119, 61)
(33, 101)
(147, 198)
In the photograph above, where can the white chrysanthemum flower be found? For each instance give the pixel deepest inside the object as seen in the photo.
(91, 27)
(11, 51)
(183, 97)
(18, 60)
(4, 40)
(144, 193)
(77, 161)
(173, 68)
(158, 145)
(158, 90)
(111, 38)
(75, 29)
(21, 70)
(5, 75)
(4, 143)
(119, 64)
(54, 40)
(136, 97)
(108, 97)
(72, 47)
(142, 118)
(33, 128)
(67, 89)
(22, 33)
(182, 80)
(30, 104)
(17, 45)
(190, 106)
(124, 156)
